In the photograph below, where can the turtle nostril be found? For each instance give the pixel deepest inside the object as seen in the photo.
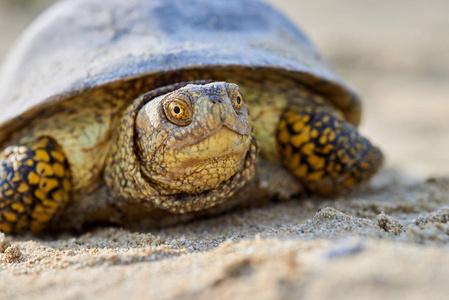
(216, 99)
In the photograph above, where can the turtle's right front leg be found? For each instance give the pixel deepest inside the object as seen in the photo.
(35, 185)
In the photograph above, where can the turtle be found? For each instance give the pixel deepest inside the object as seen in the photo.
(155, 112)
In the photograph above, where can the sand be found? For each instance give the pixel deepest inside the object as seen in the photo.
(388, 240)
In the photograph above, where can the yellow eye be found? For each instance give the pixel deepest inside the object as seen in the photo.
(238, 101)
(178, 111)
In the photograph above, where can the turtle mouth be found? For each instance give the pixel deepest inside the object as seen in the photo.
(184, 201)
(223, 142)
(204, 165)
(223, 131)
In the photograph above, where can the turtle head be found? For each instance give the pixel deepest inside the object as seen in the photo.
(193, 147)
(195, 138)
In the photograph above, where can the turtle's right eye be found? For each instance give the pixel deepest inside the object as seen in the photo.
(178, 111)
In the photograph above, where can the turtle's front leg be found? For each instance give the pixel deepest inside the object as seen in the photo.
(323, 151)
(35, 185)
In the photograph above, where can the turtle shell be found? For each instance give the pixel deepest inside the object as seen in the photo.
(78, 45)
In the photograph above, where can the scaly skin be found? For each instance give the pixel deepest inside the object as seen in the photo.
(187, 164)
(194, 149)
(105, 122)
(325, 153)
(84, 124)
(35, 186)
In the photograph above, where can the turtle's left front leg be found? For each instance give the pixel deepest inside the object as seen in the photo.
(324, 152)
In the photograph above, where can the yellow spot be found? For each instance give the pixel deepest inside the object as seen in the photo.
(47, 184)
(9, 216)
(41, 144)
(44, 169)
(5, 186)
(325, 119)
(323, 140)
(23, 222)
(298, 140)
(327, 149)
(33, 178)
(41, 218)
(41, 155)
(39, 209)
(315, 175)
(316, 162)
(318, 124)
(66, 184)
(58, 195)
(349, 181)
(292, 118)
(332, 136)
(308, 148)
(9, 193)
(306, 119)
(301, 171)
(5, 227)
(58, 156)
(50, 205)
(18, 207)
(314, 133)
(29, 162)
(39, 194)
(326, 130)
(283, 136)
(23, 188)
(330, 167)
(16, 178)
(59, 170)
(298, 126)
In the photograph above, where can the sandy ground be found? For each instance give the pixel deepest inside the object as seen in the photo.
(389, 240)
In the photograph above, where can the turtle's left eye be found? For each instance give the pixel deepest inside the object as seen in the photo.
(178, 112)
(238, 101)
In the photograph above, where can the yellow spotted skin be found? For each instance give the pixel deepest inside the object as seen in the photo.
(179, 185)
(35, 185)
(118, 171)
(323, 151)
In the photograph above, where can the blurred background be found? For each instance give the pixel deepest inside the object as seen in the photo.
(396, 53)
